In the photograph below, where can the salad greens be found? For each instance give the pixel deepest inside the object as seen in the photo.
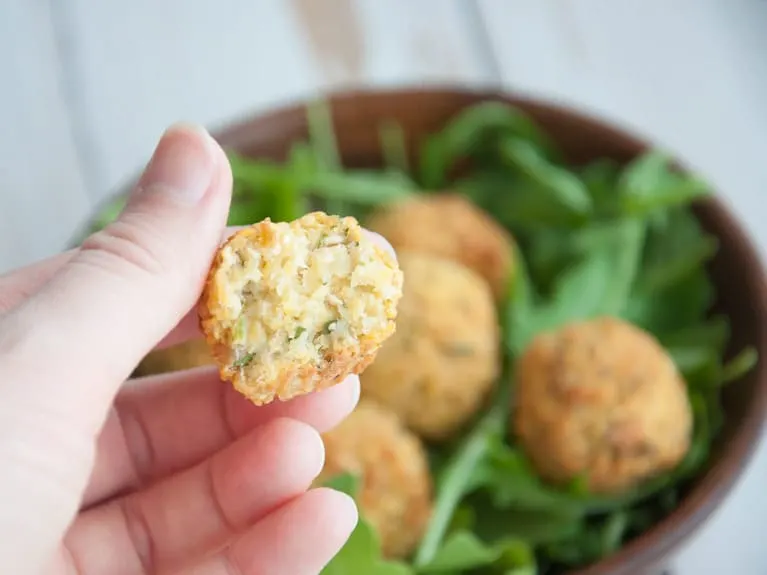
(592, 240)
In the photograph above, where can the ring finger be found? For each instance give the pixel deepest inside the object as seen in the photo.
(197, 511)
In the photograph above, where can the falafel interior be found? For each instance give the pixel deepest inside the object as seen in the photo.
(293, 307)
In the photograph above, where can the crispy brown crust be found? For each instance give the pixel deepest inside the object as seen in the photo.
(600, 398)
(395, 494)
(291, 380)
(434, 390)
(450, 226)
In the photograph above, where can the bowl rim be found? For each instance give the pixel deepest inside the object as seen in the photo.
(705, 497)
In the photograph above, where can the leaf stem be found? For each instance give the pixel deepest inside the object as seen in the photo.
(457, 475)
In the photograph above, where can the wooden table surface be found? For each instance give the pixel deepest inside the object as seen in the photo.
(88, 86)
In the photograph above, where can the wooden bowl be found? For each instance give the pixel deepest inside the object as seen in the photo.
(737, 270)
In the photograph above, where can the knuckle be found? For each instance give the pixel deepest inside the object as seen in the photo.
(138, 442)
(129, 242)
(138, 533)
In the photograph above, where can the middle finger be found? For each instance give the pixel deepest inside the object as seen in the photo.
(167, 423)
(188, 515)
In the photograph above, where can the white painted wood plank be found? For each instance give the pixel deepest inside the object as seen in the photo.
(42, 199)
(692, 76)
(145, 64)
(689, 74)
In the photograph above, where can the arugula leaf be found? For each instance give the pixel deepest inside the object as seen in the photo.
(362, 551)
(675, 249)
(600, 284)
(516, 201)
(108, 212)
(601, 537)
(322, 136)
(557, 185)
(464, 550)
(675, 307)
(394, 147)
(361, 554)
(649, 184)
(601, 180)
(456, 478)
(347, 483)
(358, 186)
(464, 134)
(738, 366)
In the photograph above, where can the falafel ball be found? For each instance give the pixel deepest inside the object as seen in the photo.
(187, 355)
(603, 400)
(395, 483)
(289, 308)
(451, 226)
(438, 368)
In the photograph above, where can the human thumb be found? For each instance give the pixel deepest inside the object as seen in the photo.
(81, 335)
(66, 350)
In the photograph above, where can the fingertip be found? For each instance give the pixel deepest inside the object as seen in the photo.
(340, 509)
(381, 242)
(353, 381)
(304, 438)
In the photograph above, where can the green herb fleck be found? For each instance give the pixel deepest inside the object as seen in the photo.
(458, 349)
(329, 326)
(244, 360)
(240, 329)
(299, 331)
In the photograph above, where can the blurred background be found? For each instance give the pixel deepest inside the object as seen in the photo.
(88, 87)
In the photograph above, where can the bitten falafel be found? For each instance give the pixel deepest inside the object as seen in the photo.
(289, 308)
(449, 225)
(396, 487)
(602, 400)
(439, 367)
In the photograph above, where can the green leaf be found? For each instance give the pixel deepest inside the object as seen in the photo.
(517, 202)
(496, 519)
(462, 550)
(322, 136)
(465, 551)
(345, 483)
(675, 249)
(394, 147)
(361, 554)
(362, 551)
(108, 212)
(673, 308)
(600, 284)
(368, 188)
(558, 185)
(255, 174)
(649, 184)
(738, 366)
(464, 134)
(601, 180)
(613, 532)
(455, 479)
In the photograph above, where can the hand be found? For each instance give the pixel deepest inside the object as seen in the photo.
(173, 473)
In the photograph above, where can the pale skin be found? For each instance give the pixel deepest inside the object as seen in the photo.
(173, 474)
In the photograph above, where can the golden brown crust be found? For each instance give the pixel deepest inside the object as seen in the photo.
(396, 489)
(438, 368)
(450, 226)
(602, 399)
(290, 378)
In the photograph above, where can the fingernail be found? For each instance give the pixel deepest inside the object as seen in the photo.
(183, 164)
